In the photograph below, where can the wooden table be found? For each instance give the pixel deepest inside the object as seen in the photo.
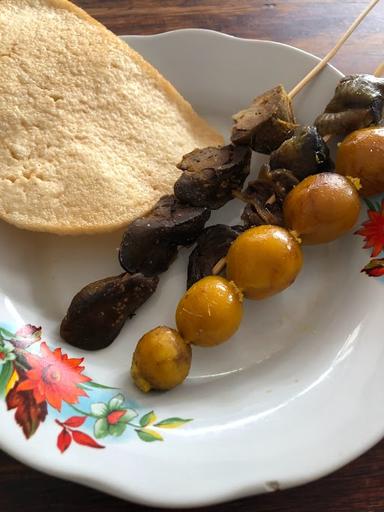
(313, 25)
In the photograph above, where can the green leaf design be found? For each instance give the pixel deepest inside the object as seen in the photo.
(100, 428)
(94, 385)
(100, 410)
(148, 419)
(7, 350)
(5, 333)
(129, 416)
(172, 423)
(5, 375)
(148, 436)
(117, 430)
(116, 402)
(370, 205)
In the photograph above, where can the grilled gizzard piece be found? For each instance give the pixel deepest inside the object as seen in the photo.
(303, 154)
(211, 246)
(266, 123)
(98, 312)
(210, 175)
(150, 243)
(358, 103)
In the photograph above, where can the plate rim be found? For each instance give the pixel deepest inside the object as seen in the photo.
(224, 35)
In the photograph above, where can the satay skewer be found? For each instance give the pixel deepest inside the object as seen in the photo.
(219, 266)
(324, 61)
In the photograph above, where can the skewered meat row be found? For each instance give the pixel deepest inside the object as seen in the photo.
(209, 179)
(296, 153)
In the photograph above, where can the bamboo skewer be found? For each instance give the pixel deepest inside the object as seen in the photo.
(333, 51)
(219, 266)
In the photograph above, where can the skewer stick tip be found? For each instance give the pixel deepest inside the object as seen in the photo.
(324, 61)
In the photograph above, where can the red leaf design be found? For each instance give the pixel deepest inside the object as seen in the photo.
(64, 440)
(74, 421)
(85, 439)
(29, 414)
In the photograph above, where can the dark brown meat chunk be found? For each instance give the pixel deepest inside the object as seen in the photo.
(265, 197)
(262, 206)
(266, 123)
(210, 175)
(211, 246)
(98, 312)
(150, 243)
(303, 154)
(358, 102)
(282, 179)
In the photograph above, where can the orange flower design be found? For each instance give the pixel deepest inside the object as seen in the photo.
(54, 377)
(373, 230)
(31, 381)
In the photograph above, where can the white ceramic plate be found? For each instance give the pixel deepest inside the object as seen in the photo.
(296, 394)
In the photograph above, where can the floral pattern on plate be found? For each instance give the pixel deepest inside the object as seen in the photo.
(372, 230)
(37, 382)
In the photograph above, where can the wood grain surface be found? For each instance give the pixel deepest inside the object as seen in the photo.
(313, 25)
